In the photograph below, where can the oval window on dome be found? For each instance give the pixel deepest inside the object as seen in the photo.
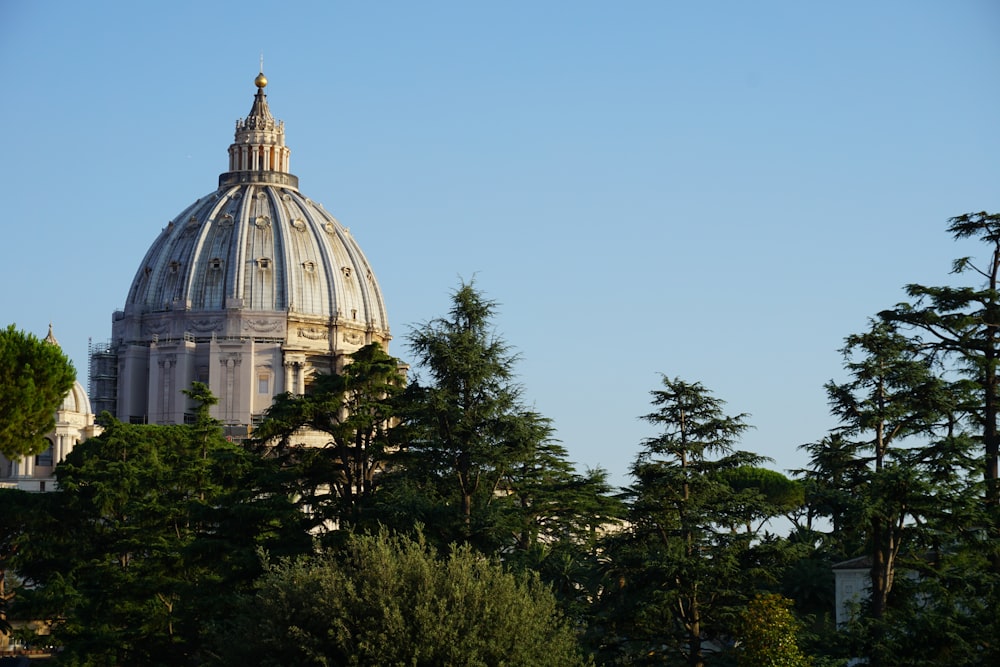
(215, 263)
(263, 262)
(299, 224)
(262, 221)
(309, 267)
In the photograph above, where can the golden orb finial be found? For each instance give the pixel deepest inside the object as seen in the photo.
(260, 81)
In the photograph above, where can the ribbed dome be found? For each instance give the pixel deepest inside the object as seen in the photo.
(258, 247)
(76, 400)
(258, 244)
(253, 289)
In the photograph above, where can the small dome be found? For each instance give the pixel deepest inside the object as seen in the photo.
(76, 400)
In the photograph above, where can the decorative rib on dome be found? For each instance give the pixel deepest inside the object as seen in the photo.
(76, 400)
(262, 248)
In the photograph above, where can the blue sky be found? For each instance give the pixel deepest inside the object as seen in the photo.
(720, 191)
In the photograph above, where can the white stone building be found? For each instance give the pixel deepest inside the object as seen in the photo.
(251, 289)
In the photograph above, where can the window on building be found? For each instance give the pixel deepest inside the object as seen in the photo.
(45, 458)
(263, 383)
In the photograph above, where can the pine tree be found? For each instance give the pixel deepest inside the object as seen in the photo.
(354, 411)
(680, 573)
(35, 376)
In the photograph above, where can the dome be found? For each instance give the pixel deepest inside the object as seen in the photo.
(252, 289)
(76, 401)
(258, 244)
(258, 247)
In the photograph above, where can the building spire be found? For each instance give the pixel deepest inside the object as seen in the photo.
(258, 154)
(51, 337)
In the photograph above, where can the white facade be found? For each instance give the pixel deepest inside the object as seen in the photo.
(852, 582)
(250, 290)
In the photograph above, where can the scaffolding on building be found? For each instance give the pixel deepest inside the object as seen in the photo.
(102, 371)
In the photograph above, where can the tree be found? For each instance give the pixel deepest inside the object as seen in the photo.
(550, 520)
(20, 509)
(680, 573)
(768, 634)
(35, 376)
(892, 395)
(394, 601)
(354, 411)
(154, 527)
(466, 424)
(472, 457)
(963, 324)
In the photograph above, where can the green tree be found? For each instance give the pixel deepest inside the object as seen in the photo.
(892, 395)
(680, 573)
(354, 411)
(152, 529)
(474, 465)
(466, 427)
(963, 324)
(552, 518)
(769, 634)
(35, 376)
(393, 601)
(20, 509)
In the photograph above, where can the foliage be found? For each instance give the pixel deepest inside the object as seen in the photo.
(465, 429)
(35, 376)
(393, 601)
(678, 576)
(153, 528)
(892, 395)
(474, 465)
(963, 324)
(768, 634)
(353, 410)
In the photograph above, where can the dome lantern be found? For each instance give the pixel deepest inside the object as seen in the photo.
(258, 153)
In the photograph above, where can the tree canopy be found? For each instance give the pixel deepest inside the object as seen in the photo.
(35, 376)
(391, 601)
(153, 527)
(442, 522)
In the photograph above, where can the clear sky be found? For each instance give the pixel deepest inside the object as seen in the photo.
(719, 191)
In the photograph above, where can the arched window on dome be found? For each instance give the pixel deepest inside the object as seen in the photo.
(45, 458)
